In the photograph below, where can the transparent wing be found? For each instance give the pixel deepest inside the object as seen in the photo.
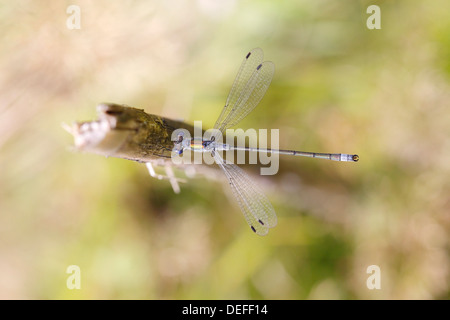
(253, 59)
(250, 85)
(257, 209)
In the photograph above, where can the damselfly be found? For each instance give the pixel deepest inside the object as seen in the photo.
(251, 83)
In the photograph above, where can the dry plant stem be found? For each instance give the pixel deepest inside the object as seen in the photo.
(128, 133)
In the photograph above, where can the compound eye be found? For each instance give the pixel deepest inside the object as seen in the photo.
(180, 137)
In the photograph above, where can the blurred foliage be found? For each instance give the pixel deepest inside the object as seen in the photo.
(338, 87)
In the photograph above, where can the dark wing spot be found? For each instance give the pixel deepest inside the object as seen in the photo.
(253, 228)
(259, 67)
(248, 55)
(262, 223)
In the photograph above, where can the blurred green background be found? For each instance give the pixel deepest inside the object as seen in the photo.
(338, 87)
